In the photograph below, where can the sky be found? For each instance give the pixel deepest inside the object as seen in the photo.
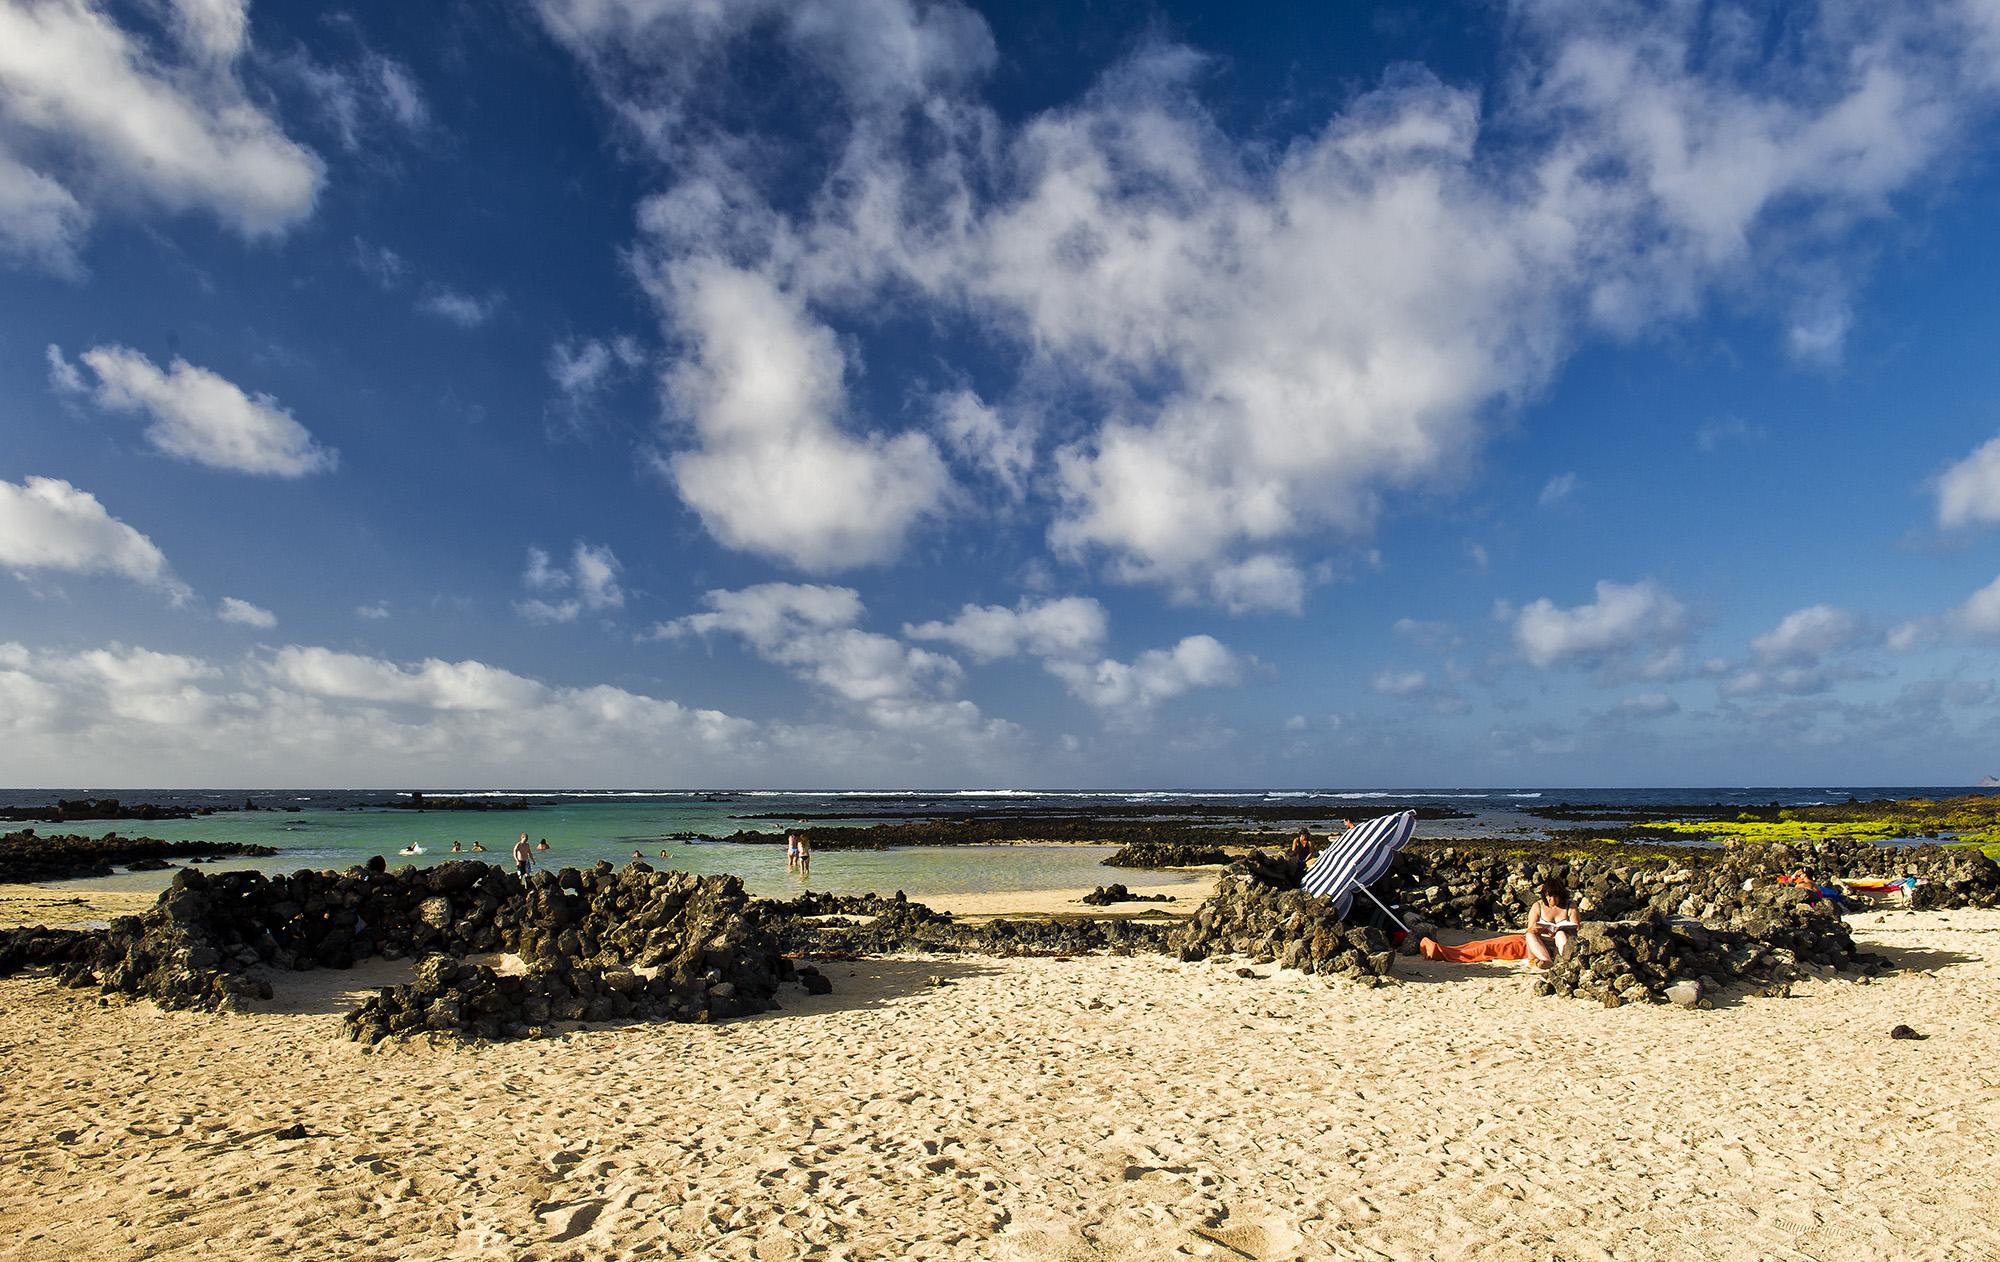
(913, 393)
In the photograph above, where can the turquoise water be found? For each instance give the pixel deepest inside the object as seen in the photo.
(583, 833)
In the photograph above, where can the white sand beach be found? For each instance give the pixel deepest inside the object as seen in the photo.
(1090, 1108)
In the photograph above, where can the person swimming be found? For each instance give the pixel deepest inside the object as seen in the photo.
(415, 847)
(479, 847)
(458, 847)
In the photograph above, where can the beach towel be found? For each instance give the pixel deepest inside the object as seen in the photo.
(1511, 946)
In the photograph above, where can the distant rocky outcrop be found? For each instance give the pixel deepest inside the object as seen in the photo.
(66, 811)
(25, 856)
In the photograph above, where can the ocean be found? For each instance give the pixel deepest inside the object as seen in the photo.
(338, 828)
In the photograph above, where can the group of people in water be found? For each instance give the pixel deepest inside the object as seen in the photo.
(798, 852)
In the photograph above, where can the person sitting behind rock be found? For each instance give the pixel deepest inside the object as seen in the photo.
(1551, 924)
(1302, 847)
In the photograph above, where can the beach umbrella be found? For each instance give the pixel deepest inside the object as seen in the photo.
(1357, 859)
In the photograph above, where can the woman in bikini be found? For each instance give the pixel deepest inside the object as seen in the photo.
(1551, 924)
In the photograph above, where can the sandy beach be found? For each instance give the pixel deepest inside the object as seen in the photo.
(1087, 1108)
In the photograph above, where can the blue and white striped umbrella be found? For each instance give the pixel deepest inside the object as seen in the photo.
(1359, 858)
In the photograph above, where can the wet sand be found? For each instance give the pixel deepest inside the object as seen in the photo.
(1088, 1108)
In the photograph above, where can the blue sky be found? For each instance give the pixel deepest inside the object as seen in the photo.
(895, 393)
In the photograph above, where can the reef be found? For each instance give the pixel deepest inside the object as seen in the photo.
(26, 856)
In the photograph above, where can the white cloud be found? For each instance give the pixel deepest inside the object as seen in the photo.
(1980, 614)
(1806, 636)
(1266, 346)
(112, 122)
(582, 367)
(1264, 583)
(363, 101)
(812, 630)
(196, 414)
(1155, 676)
(1713, 436)
(592, 575)
(246, 614)
(374, 613)
(1557, 489)
(129, 715)
(41, 223)
(1406, 683)
(436, 684)
(1623, 618)
(380, 264)
(467, 311)
(771, 471)
(47, 524)
(1073, 626)
(1968, 493)
(1906, 636)
(1002, 447)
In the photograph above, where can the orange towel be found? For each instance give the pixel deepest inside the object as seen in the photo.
(1507, 947)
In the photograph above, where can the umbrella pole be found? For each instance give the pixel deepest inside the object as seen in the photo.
(1385, 910)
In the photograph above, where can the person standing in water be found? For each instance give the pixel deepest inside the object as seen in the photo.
(805, 855)
(524, 857)
(791, 852)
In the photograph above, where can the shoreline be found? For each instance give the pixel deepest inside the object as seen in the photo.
(1101, 1106)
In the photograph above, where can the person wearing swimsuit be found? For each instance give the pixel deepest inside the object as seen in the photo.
(1302, 847)
(1551, 924)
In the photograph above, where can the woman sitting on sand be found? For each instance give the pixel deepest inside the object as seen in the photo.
(1302, 846)
(1551, 924)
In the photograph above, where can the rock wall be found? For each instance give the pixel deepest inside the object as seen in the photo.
(585, 936)
(868, 924)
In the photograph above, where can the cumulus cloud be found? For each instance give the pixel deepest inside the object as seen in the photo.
(131, 715)
(46, 524)
(813, 631)
(1156, 675)
(771, 470)
(1265, 346)
(1072, 626)
(1807, 636)
(1968, 493)
(1264, 583)
(589, 581)
(196, 414)
(1980, 614)
(1623, 619)
(93, 118)
(243, 613)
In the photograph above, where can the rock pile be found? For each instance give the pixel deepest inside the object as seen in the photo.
(584, 935)
(1106, 895)
(868, 924)
(40, 947)
(1167, 854)
(1655, 959)
(25, 856)
(1252, 916)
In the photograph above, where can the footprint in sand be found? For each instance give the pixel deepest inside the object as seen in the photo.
(569, 1221)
